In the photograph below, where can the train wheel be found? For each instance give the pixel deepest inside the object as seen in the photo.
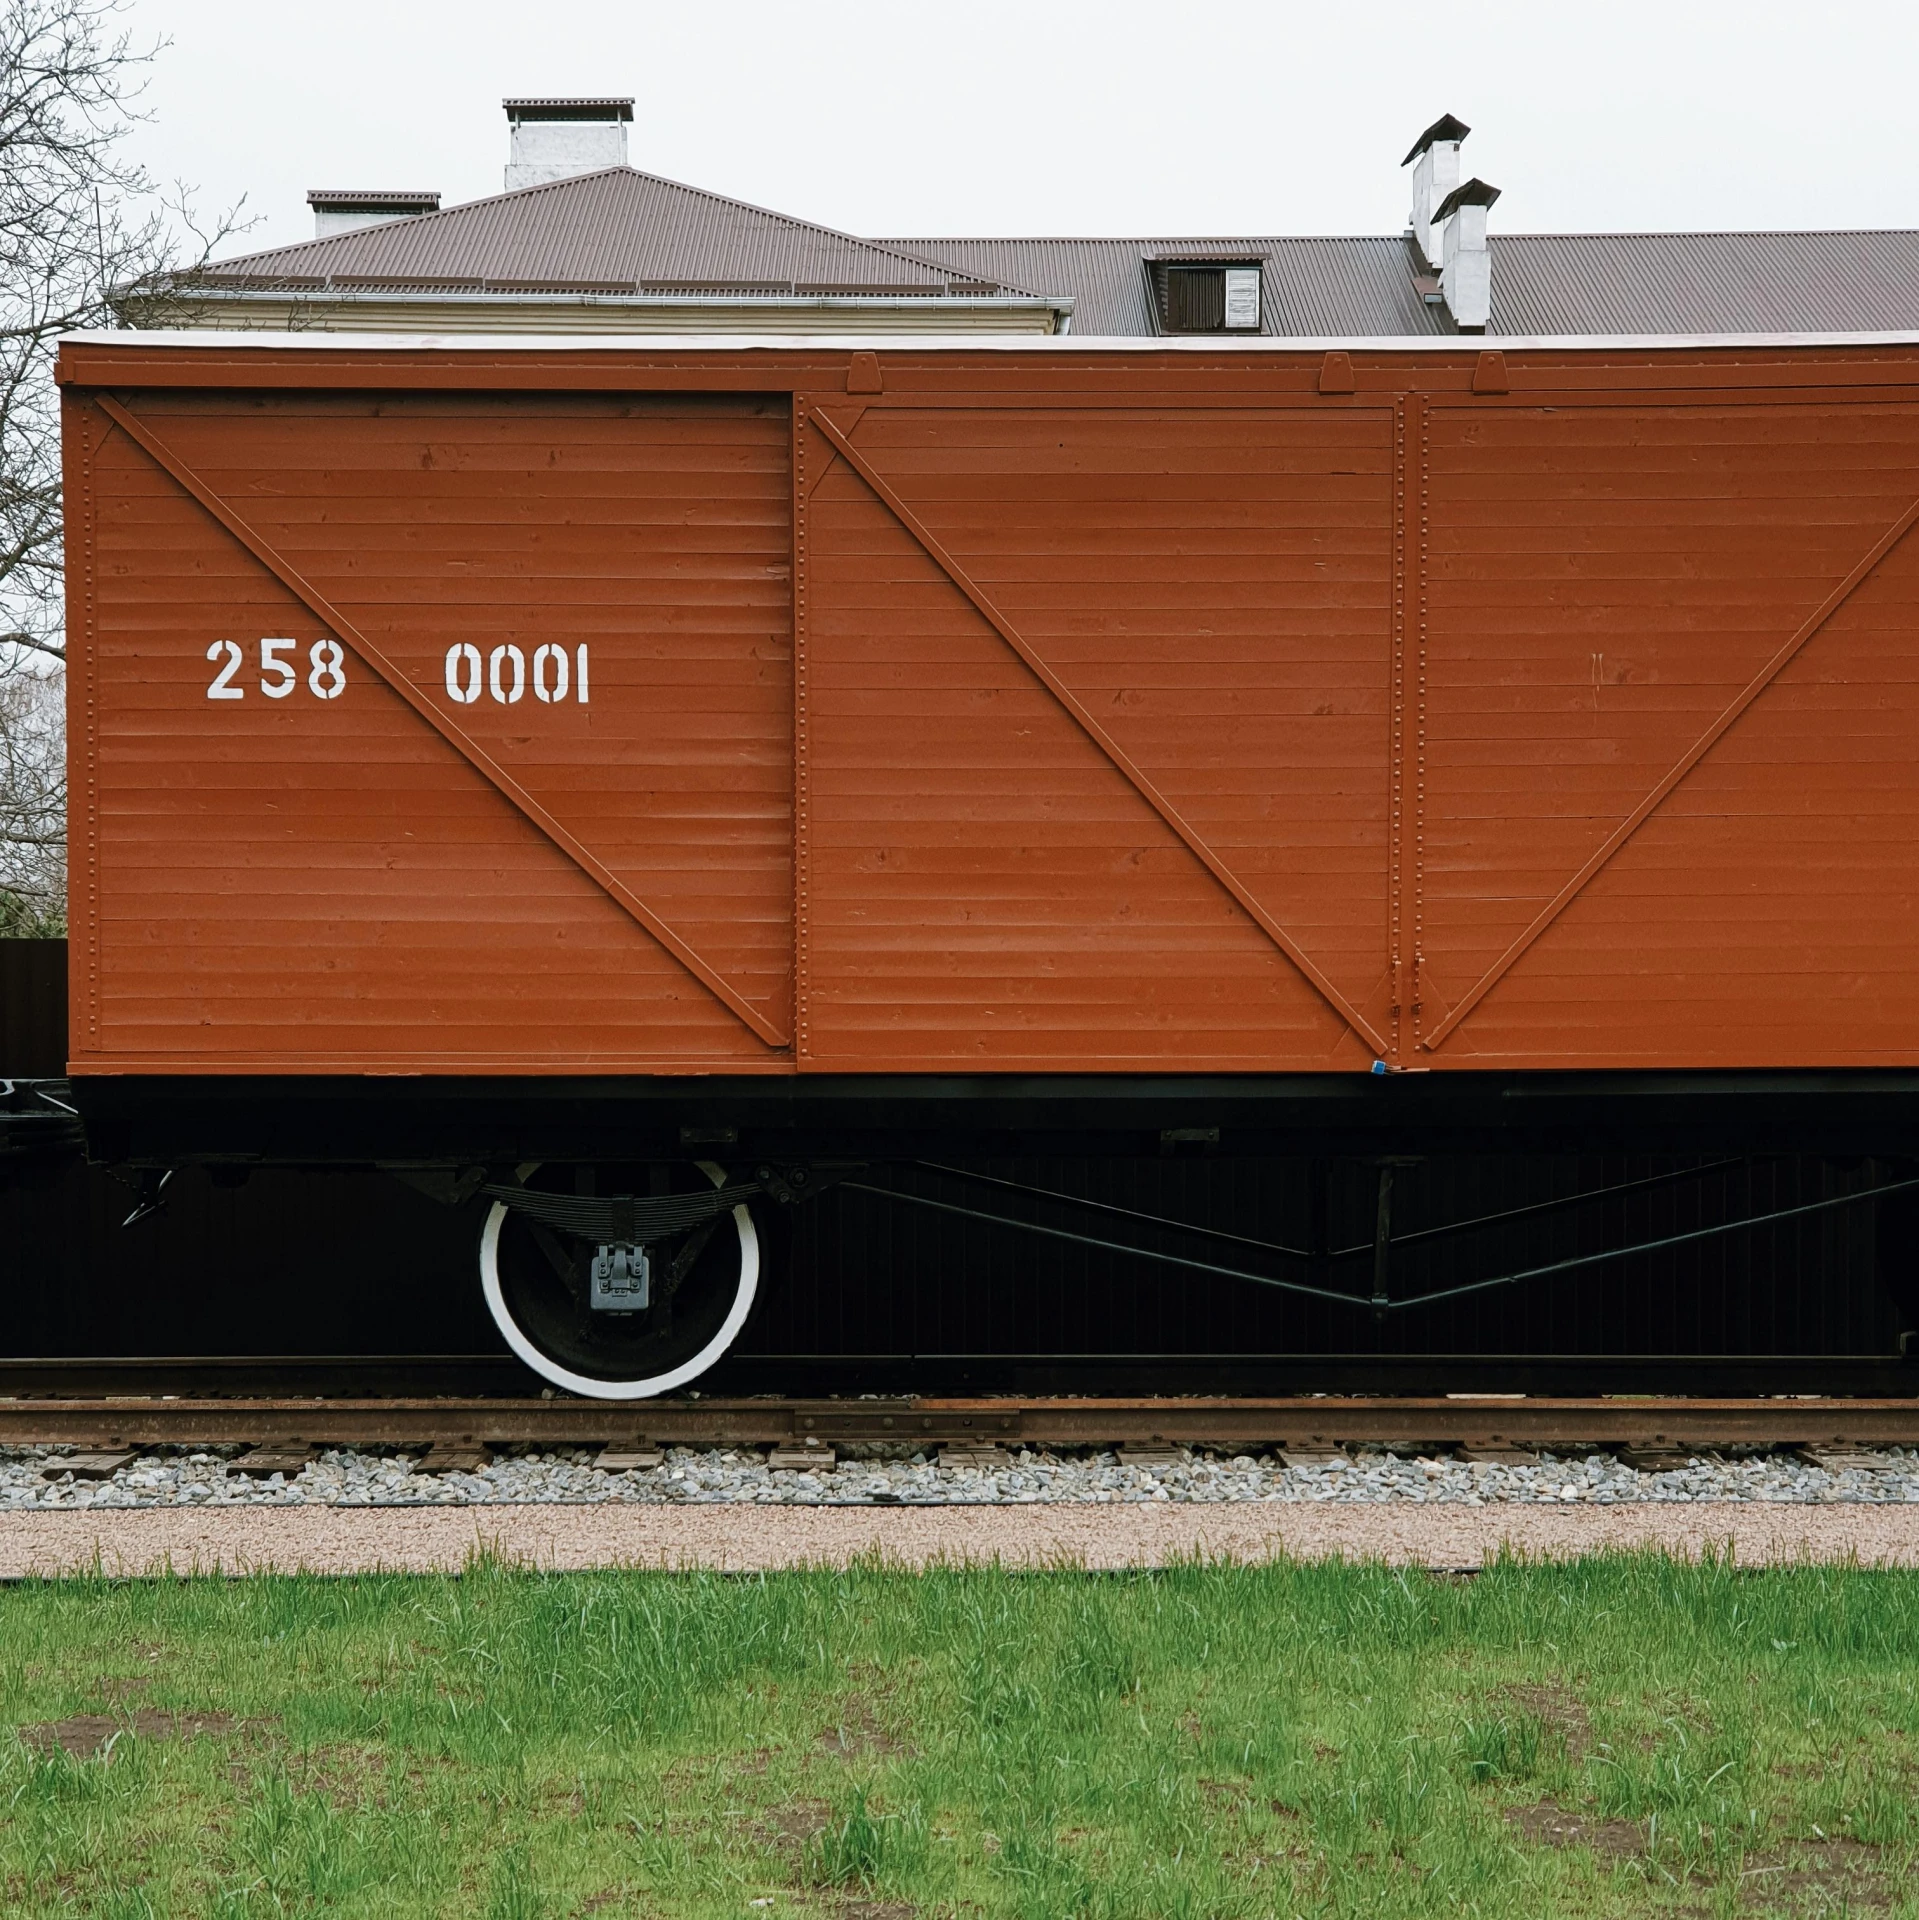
(702, 1289)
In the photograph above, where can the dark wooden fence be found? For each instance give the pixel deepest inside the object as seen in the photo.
(33, 1009)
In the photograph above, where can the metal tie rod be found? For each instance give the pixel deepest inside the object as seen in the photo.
(1558, 1204)
(1124, 1213)
(1368, 1302)
(1109, 1246)
(1655, 1246)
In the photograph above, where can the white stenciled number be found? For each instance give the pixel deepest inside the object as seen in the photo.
(223, 688)
(279, 676)
(503, 674)
(502, 671)
(283, 679)
(550, 664)
(508, 692)
(463, 673)
(327, 681)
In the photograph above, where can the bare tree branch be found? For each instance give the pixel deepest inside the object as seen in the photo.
(79, 222)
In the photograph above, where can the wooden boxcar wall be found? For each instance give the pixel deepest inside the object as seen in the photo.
(1024, 709)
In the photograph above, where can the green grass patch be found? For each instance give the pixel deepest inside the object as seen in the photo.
(1619, 1736)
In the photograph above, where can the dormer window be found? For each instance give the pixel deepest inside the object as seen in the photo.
(1205, 296)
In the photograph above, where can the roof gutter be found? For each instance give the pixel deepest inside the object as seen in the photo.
(595, 312)
(1436, 345)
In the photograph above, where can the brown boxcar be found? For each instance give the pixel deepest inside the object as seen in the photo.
(619, 713)
(1037, 709)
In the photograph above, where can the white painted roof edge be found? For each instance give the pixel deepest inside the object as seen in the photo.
(455, 296)
(191, 340)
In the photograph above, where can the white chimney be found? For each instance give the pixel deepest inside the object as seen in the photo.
(341, 209)
(1434, 177)
(556, 139)
(1466, 267)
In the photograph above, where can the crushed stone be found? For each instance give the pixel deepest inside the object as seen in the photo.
(31, 1478)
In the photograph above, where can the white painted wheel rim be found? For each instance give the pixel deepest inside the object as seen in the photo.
(643, 1389)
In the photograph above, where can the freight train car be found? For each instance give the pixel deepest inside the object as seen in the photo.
(630, 789)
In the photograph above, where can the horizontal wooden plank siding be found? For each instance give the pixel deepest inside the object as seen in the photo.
(299, 882)
(1154, 711)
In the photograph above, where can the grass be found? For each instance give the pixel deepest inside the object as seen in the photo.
(1619, 1736)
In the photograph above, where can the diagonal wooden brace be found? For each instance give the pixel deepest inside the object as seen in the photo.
(462, 743)
(1683, 766)
(1128, 768)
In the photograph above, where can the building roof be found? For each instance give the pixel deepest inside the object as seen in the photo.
(1543, 283)
(623, 231)
(614, 230)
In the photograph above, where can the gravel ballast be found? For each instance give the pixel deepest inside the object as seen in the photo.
(32, 1478)
(352, 1511)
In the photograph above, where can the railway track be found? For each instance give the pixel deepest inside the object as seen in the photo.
(449, 1422)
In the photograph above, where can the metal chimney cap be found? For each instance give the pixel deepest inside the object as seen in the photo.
(375, 199)
(1475, 193)
(1446, 127)
(571, 107)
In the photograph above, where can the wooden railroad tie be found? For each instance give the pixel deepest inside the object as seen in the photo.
(1849, 1459)
(1658, 1457)
(975, 1459)
(1152, 1454)
(628, 1456)
(85, 1466)
(810, 1458)
(277, 1456)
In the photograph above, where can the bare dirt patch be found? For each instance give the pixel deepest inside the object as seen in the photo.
(88, 1735)
(860, 1731)
(1547, 1825)
(118, 1688)
(349, 1778)
(789, 1826)
(608, 1897)
(1558, 1710)
(1818, 1876)
(700, 1769)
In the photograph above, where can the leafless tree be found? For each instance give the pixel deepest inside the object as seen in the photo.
(77, 220)
(33, 804)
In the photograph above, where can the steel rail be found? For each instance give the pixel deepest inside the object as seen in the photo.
(409, 1424)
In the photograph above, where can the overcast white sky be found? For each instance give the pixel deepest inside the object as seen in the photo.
(1056, 116)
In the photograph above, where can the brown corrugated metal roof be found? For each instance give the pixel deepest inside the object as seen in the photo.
(615, 227)
(623, 230)
(1308, 285)
(1862, 282)
(1543, 283)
